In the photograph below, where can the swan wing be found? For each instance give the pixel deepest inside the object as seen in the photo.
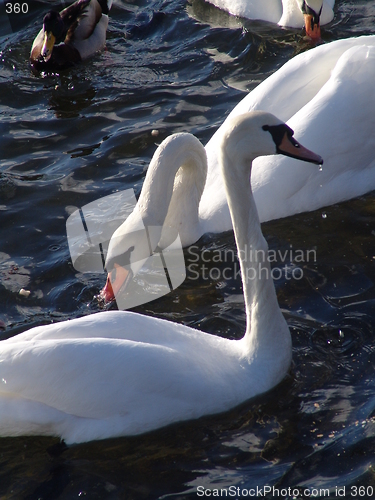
(83, 386)
(266, 10)
(284, 12)
(341, 111)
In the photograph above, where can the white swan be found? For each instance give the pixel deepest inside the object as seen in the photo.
(291, 13)
(120, 373)
(327, 96)
(169, 199)
(330, 109)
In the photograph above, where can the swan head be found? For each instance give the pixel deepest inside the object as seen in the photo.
(53, 27)
(128, 249)
(311, 10)
(119, 273)
(247, 136)
(258, 133)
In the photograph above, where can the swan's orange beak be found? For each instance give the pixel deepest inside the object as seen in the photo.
(48, 43)
(115, 281)
(290, 147)
(312, 26)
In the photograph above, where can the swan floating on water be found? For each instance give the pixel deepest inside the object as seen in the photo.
(119, 373)
(69, 36)
(327, 96)
(292, 13)
(169, 200)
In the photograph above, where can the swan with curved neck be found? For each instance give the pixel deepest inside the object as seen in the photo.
(289, 13)
(120, 373)
(317, 105)
(169, 199)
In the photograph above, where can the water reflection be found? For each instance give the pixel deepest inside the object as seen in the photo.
(73, 138)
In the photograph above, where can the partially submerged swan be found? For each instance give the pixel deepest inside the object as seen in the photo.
(169, 199)
(120, 373)
(292, 13)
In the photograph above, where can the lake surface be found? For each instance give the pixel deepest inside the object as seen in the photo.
(70, 139)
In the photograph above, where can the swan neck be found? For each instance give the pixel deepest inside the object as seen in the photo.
(262, 310)
(173, 186)
(157, 189)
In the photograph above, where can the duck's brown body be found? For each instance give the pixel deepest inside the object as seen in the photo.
(70, 36)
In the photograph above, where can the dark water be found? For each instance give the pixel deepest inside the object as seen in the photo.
(69, 139)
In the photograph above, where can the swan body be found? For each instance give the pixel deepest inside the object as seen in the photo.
(327, 97)
(70, 36)
(120, 373)
(289, 13)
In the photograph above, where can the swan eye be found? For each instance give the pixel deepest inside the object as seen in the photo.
(122, 260)
(278, 132)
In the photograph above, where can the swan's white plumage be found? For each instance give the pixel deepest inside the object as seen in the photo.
(283, 12)
(120, 373)
(170, 196)
(89, 378)
(327, 96)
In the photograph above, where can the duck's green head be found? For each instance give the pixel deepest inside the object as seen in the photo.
(53, 27)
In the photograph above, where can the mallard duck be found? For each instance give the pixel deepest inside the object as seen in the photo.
(69, 36)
